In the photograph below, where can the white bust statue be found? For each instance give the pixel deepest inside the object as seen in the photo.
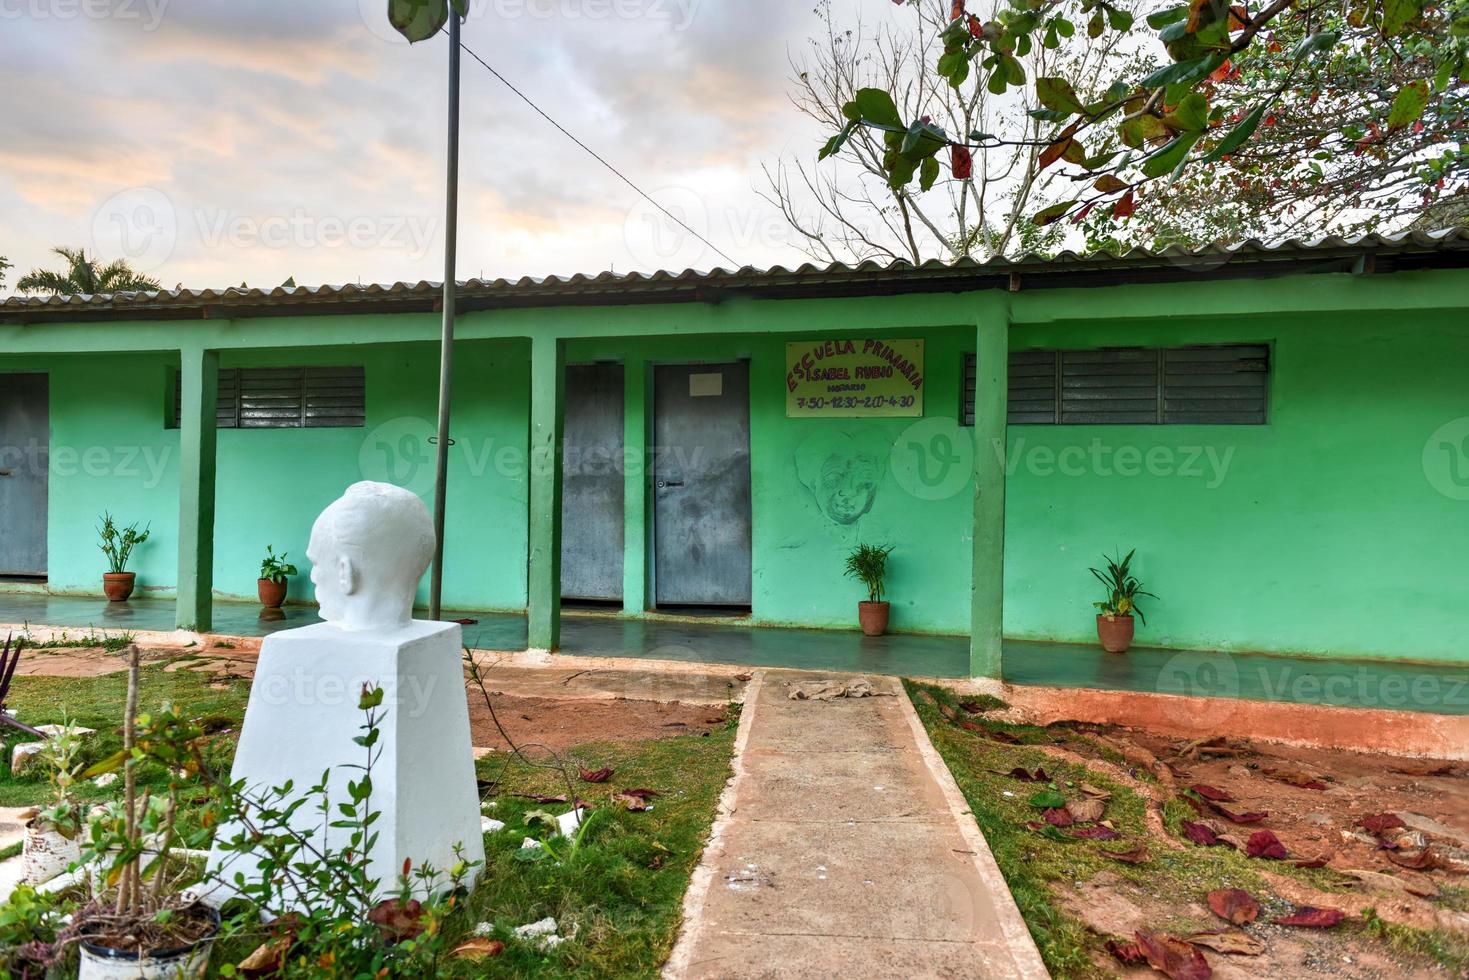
(368, 550)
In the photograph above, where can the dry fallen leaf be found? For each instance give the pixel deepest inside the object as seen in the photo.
(268, 958)
(595, 775)
(1264, 844)
(1234, 905)
(1172, 956)
(1200, 833)
(1138, 855)
(1086, 811)
(633, 801)
(1098, 832)
(1126, 951)
(478, 949)
(1381, 823)
(1058, 817)
(1418, 858)
(1416, 885)
(1253, 817)
(1295, 777)
(1233, 941)
(1095, 793)
(1312, 917)
(1210, 793)
(397, 919)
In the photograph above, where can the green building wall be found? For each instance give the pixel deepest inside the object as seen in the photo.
(1322, 532)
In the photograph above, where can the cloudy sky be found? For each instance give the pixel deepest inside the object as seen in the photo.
(212, 142)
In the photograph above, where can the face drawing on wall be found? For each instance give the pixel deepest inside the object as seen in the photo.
(842, 472)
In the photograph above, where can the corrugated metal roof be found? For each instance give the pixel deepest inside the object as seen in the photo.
(1252, 258)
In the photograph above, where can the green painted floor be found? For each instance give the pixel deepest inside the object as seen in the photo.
(1439, 689)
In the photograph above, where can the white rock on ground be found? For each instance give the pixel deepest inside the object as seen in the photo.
(490, 825)
(542, 933)
(568, 822)
(25, 756)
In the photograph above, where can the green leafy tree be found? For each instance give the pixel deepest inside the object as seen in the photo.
(84, 276)
(1302, 114)
(849, 211)
(4, 264)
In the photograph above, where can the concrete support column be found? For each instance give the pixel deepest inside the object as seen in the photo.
(547, 416)
(991, 395)
(198, 398)
(636, 466)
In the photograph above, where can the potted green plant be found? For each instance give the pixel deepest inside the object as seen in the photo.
(1114, 619)
(141, 921)
(275, 572)
(53, 836)
(869, 564)
(118, 546)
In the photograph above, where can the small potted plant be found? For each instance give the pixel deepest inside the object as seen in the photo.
(118, 546)
(53, 837)
(141, 922)
(1114, 619)
(869, 564)
(275, 572)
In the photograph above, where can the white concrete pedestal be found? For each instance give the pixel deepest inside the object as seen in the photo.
(303, 715)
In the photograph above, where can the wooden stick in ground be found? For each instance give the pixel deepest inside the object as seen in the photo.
(129, 779)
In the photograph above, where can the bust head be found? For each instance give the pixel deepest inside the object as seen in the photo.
(368, 550)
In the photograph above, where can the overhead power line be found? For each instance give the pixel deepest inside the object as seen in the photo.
(598, 157)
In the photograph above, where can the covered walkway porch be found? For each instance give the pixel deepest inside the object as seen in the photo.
(1440, 689)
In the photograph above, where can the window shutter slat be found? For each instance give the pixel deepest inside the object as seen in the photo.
(1225, 385)
(1109, 387)
(287, 398)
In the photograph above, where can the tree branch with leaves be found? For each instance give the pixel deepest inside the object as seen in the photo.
(1237, 78)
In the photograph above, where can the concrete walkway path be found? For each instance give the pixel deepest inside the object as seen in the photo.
(844, 848)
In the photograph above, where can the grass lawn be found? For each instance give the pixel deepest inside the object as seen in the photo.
(621, 893)
(1038, 866)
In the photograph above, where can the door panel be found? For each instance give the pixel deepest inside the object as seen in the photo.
(25, 445)
(701, 495)
(592, 483)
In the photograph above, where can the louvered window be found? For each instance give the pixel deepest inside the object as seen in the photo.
(1219, 385)
(287, 398)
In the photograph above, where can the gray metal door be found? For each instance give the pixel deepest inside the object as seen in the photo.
(592, 483)
(701, 484)
(25, 447)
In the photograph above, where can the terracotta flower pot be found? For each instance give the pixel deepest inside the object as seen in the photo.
(1115, 632)
(272, 593)
(119, 585)
(874, 617)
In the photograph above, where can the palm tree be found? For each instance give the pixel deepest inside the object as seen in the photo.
(84, 276)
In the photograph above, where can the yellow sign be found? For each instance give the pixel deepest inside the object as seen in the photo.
(854, 379)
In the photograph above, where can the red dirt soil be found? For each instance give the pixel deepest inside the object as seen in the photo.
(560, 723)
